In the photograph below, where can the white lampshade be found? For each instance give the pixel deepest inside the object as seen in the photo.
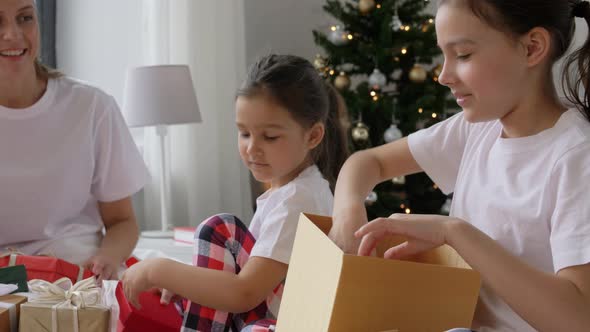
(160, 95)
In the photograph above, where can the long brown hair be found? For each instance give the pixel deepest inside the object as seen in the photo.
(45, 72)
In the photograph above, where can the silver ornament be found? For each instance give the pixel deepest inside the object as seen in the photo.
(371, 198)
(338, 36)
(396, 23)
(399, 180)
(446, 208)
(377, 79)
(392, 133)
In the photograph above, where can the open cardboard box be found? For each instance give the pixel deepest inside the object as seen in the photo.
(330, 291)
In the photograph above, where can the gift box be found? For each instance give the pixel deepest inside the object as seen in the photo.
(328, 290)
(46, 267)
(38, 317)
(152, 316)
(9, 312)
(15, 275)
(64, 307)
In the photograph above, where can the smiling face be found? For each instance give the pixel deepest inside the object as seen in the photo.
(484, 68)
(19, 38)
(272, 144)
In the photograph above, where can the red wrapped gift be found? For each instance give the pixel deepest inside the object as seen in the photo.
(131, 261)
(46, 267)
(152, 316)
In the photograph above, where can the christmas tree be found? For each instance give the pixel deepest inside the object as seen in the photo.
(383, 58)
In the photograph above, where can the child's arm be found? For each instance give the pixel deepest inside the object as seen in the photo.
(120, 238)
(220, 290)
(359, 175)
(548, 302)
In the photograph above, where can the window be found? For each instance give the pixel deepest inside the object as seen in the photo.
(46, 10)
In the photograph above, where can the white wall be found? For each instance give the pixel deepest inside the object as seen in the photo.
(283, 27)
(98, 40)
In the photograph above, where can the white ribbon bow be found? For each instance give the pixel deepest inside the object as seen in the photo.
(62, 293)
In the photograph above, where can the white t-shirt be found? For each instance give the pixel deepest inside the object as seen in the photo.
(529, 194)
(60, 156)
(277, 214)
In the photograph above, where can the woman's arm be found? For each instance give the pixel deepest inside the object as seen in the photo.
(548, 302)
(216, 289)
(359, 175)
(120, 237)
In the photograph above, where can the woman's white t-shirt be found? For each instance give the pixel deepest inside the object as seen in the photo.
(60, 156)
(530, 194)
(277, 214)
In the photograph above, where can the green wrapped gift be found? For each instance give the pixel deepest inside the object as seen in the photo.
(15, 275)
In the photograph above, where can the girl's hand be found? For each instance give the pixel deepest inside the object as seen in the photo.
(168, 296)
(346, 222)
(136, 280)
(424, 232)
(104, 266)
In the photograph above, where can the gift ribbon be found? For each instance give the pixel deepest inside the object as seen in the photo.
(11, 314)
(61, 293)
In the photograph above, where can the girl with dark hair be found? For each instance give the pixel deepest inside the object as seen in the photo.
(289, 137)
(516, 159)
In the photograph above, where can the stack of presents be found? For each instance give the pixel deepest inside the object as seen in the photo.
(326, 291)
(43, 293)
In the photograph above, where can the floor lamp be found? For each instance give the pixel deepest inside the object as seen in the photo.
(160, 96)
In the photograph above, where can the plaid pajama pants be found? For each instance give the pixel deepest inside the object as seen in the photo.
(223, 242)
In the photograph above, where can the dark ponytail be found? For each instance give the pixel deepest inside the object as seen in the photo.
(576, 74)
(293, 83)
(517, 17)
(332, 152)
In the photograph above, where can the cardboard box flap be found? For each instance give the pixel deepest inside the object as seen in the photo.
(328, 260)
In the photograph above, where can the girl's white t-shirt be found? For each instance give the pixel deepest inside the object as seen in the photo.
(60, 156)
(277, 214)
(529, 194)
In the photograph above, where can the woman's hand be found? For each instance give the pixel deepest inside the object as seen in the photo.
(423, 232)
(104, 266)
(136, 279)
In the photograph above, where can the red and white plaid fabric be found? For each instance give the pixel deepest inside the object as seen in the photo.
(223, 242)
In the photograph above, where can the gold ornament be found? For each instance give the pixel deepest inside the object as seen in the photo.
(418, 74)
(342, 81)
(360, 133)
(319, 62)
(437, 70)
(365, 6)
